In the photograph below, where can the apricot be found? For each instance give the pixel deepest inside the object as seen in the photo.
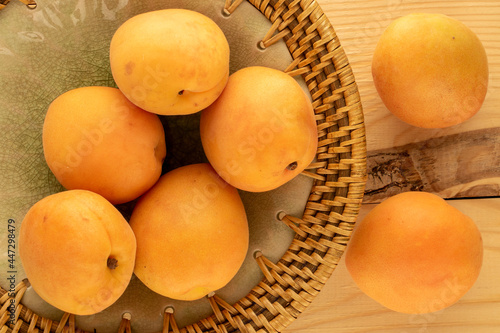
(170, 61)
(77, 250)
(261, 132)
(95, 139)
(415, 253)
(192, 233)
(430, 70)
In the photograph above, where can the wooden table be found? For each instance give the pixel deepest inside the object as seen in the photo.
(458, 162)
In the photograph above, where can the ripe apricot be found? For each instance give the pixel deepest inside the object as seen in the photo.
(77, 251)
(192, 233)
(171, 61)
(430, 70)
(261, 132)
(95, 139)
(415, 253)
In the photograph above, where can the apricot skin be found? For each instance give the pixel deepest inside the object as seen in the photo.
(414, 253)
(192, 233)
(261, 132)
(65, 242)
(97, 140)
(430, 70)
(171, 61)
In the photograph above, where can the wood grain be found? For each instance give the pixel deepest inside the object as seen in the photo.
(461, 165)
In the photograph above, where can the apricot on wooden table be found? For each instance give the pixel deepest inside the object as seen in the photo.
(192, 233)
(415, 253)
(77, 251)
(95, 139)
(261, 132)
(430, 70)
(170, 61)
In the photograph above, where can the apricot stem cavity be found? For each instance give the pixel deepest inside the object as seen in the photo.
(292, 166)
(112, 263)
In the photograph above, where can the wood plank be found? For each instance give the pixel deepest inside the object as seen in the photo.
(453, 166)
(342, 307)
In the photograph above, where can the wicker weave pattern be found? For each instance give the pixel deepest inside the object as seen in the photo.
(339, 173)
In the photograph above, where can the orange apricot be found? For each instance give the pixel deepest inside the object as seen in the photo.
(261, 132)
(192, 233)
(415, 253)
(171, 61)
(430, 70)
(77, 250)
(95, 139)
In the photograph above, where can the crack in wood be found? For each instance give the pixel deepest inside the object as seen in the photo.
(457, 165)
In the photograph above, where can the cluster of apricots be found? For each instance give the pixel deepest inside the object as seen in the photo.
(188, 233)
(414, 252)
